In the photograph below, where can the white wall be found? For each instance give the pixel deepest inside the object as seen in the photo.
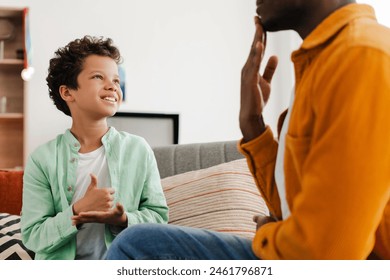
(381, 10)
(180, 56)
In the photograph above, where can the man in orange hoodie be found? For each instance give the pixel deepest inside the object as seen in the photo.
(326, 180)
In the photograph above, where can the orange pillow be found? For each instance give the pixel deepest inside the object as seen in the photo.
(11, 187)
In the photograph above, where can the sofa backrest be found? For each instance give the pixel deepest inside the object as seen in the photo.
(180, 158)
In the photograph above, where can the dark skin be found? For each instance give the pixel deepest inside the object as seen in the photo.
(302, 16)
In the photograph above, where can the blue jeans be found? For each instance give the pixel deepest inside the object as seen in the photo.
(170, 242)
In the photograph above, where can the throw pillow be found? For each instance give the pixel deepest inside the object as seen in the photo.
(222, 198)
(11, 246)
(11, 187)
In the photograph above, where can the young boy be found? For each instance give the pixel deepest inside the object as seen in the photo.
(82, 188)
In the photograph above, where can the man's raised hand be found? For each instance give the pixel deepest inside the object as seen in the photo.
(255, 88)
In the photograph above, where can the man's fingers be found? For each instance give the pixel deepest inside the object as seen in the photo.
(252, 66)
(256, 218)
(257, 20)
(270, 68)
(257, 57)
(262, 220)
(262, 35)
(258, 38)
(259, 31)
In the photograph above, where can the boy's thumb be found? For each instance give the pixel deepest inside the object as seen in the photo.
(93, 183)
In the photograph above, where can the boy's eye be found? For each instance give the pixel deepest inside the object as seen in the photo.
(117, 81)
(100, 77)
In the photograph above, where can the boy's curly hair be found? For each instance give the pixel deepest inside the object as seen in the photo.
(67, 64)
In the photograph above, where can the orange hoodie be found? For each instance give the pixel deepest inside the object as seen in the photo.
(337, 152)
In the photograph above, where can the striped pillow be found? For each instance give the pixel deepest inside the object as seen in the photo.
(11, 246)
(222, 198)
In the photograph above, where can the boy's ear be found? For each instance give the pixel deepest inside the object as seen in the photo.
(65, 93)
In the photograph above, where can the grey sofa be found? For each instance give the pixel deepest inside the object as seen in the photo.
(177, 159)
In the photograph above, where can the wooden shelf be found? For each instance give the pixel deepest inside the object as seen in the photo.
(12, 88)
(11, 12)
(11, 62)
(13, 116)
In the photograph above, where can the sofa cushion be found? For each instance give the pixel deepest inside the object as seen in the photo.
(222, 198)
(11, 246)
(11, 187)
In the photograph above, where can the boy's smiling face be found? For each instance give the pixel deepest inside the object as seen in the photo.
(99, 94)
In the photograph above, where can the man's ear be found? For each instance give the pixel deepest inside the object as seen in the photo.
(66, 94)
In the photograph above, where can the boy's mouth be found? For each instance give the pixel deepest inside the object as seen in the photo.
(110, 99)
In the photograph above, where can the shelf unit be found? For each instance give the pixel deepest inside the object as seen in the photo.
(12, 90)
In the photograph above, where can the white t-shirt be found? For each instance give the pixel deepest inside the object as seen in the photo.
(279, 167)
(90, 237)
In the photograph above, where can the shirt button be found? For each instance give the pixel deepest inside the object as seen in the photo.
(69, 188)
(72, 160)
(76, 144)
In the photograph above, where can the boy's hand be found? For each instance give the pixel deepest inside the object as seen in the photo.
(115, 216)
(255, 89)
(95, 199)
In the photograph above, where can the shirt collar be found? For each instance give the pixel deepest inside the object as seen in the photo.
(71, 140)
(336, 21)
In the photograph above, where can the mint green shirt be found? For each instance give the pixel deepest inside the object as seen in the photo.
(49, 184)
